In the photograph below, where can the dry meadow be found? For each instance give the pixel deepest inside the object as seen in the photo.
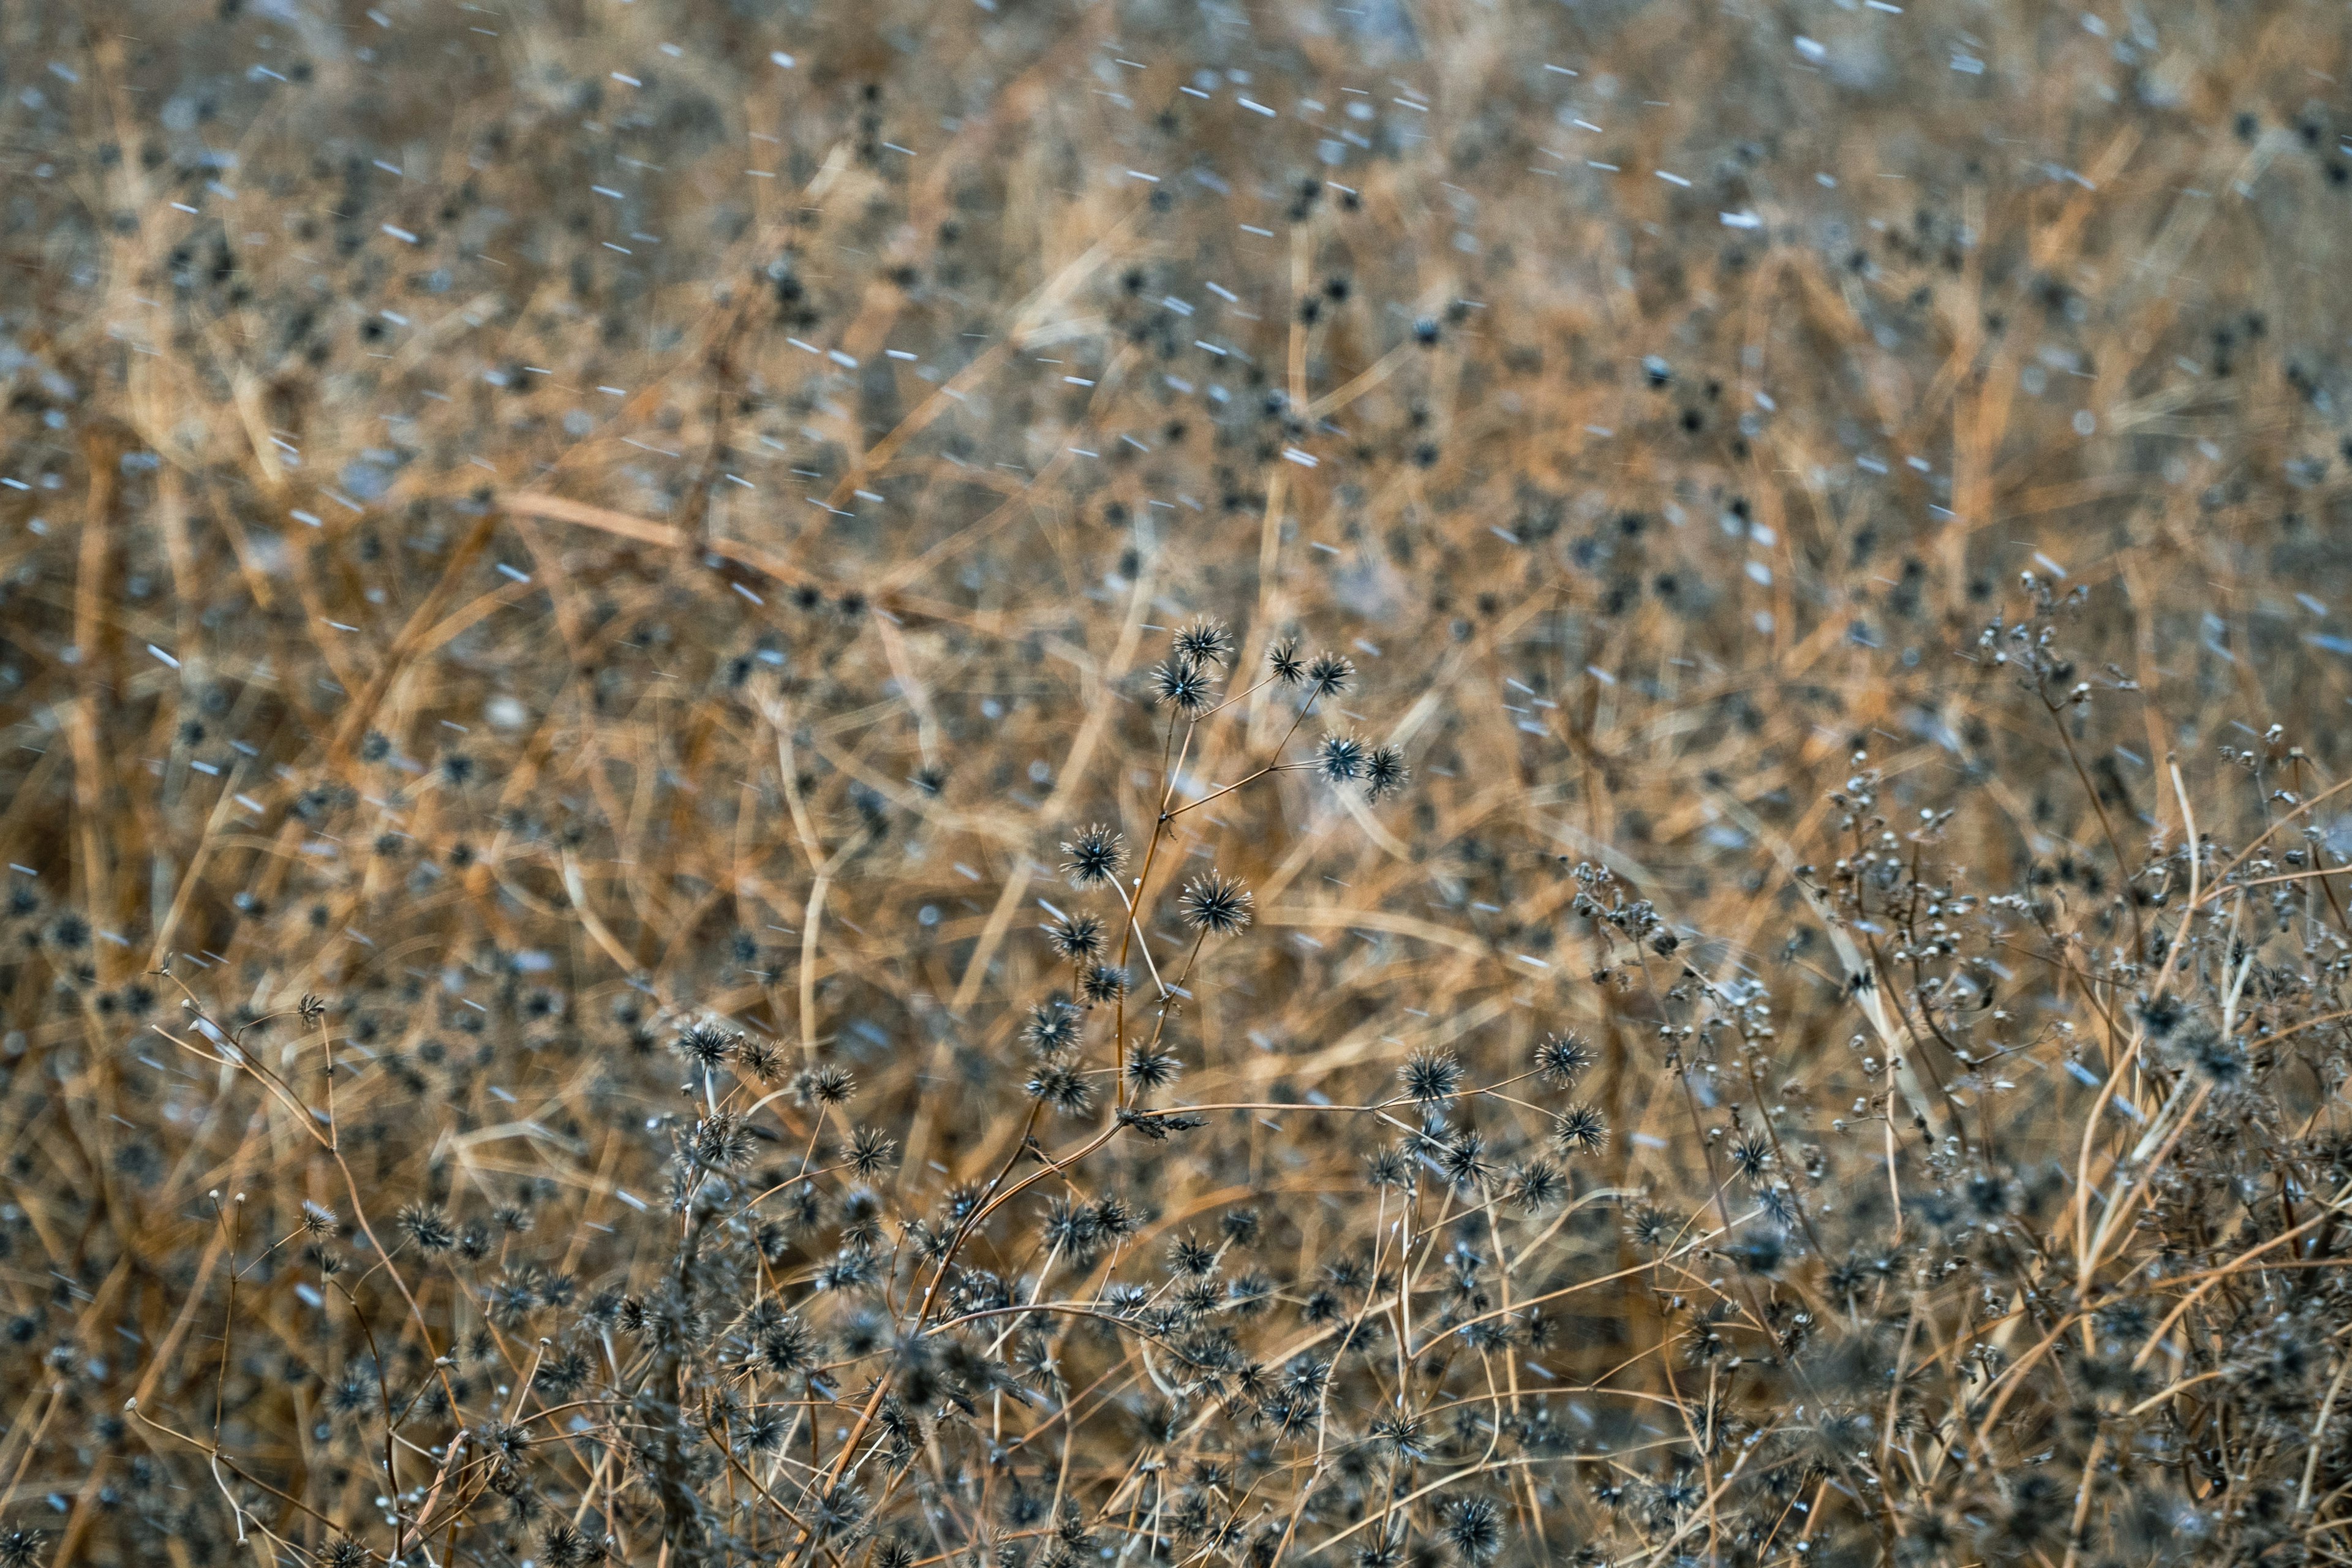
(1031, 784)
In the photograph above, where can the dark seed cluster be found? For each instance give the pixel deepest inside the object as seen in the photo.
(1022, 784)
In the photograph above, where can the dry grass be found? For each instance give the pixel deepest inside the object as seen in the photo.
(534, 533)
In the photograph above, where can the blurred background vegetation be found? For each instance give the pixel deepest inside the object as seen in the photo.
(541, 525)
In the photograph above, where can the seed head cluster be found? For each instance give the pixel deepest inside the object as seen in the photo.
(1018, 785)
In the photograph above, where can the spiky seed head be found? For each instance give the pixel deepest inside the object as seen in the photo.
(1539, 1185)
(1215, 902)
(1183, 684)
(1152, 1069)
(763, 1060)
(871, 1152)
(1205, 641)
(827, 1085)
(1193, 1256)
(707, 1045)
(1560, 1058)
(721, 1141)
(428, 1227)
(1474, 1529)
(1750, 1156)
(1341, 758)
(1076, 936)
(1051, 1029)
(1648, 1228)
(1328, 673)
(1582, 1130)
(1094, 857)
(1063, 1087)
(1431, 1077)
